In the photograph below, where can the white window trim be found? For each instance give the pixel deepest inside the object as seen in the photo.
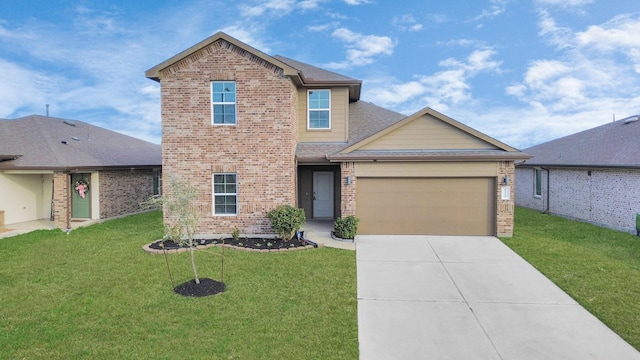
(234, 103)
(535, 183)
(213, 191)
(309, 110)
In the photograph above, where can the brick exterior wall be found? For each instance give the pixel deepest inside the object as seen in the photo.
(348, 200)
(61, 200)
(605, 197)
(122, 191)
(505, 208)
(260, 148)
(525, 190)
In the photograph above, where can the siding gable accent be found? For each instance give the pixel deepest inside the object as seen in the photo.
(391, 137)
(427, 133)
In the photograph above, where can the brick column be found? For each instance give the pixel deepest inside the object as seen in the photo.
(348, 198)
(61, 200)
(505, 208)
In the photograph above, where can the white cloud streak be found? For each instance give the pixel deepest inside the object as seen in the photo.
(361, 49)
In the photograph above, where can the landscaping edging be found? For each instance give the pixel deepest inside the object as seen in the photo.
(148, 249)
(334, 237)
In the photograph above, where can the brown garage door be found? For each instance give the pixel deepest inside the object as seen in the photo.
(430, 206)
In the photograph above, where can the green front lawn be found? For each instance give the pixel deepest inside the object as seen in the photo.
(96, 294)
(598, 267)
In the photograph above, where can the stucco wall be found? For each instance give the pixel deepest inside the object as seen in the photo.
(606, 197)
(25, 197)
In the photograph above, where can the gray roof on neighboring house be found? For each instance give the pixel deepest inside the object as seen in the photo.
(365, 119)
(616, 144)
(47, 143)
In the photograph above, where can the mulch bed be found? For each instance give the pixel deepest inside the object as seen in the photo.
(206, 287)
(251, 244)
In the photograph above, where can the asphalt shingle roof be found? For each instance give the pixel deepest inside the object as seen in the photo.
(54, 143)
(616, 144)
(315, 74)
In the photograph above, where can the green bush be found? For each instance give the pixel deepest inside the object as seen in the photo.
(286, 220)
(346, 227)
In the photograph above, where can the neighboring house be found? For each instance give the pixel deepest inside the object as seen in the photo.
(253, 131)
(67, 170)
(592, 176)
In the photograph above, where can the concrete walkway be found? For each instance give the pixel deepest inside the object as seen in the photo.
(319, 231)
(430, 297)
(43, 224)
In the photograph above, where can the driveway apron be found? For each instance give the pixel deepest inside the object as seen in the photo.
(468, 297)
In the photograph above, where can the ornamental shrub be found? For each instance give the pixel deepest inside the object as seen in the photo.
(286, 221)
(346, 227)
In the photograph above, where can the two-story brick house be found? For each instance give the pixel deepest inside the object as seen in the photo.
(252, 131)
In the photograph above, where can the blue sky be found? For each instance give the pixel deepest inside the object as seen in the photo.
(523, 72)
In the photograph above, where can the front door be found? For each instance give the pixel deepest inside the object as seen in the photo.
(323, 194)
(80, 196)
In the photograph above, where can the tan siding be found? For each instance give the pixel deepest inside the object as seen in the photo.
(427, 132)
(434, 206)
(423, 169)
(339, 118)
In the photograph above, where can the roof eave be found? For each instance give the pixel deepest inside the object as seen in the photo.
(369, 157)
(355, 86)
(618, 166)
(78, 168)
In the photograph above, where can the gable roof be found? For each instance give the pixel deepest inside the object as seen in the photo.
(616, 144)
(488, 148)
(47, 143)
(301, 73)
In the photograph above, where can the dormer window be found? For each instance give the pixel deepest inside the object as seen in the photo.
(223, 102)
(319, 109)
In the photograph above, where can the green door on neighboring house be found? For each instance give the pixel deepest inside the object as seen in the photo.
(80, 195)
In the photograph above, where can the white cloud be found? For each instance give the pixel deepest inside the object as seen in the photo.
(406, 23)
(561, 37)
(247, 35)
(357, 2)
(442, 90)
(565, 3)
(281, 7)
(585, 84)
(497, 7)
(622, 33)
(361, 49)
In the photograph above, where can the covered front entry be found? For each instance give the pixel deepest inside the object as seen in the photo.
(319, 191)
(426, 206)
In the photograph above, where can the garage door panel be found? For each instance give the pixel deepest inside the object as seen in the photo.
(432, 206)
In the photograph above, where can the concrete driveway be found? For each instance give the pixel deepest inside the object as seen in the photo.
(464, 297)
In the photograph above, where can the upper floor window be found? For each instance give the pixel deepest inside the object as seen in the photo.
(223, 102)
(319, 103)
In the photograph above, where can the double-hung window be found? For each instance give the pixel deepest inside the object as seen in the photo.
(223, 102)
(225, 194)
(319, 109)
